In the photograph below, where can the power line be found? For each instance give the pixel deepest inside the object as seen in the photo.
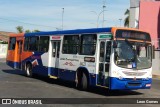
(26, 23)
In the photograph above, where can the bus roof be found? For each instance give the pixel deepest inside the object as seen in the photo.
(16, 34)
(67, 32)
(114, 29)
(82, 31)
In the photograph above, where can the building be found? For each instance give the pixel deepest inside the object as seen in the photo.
(145, 15)
(4, 36)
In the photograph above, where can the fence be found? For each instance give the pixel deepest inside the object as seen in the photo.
(3, 50)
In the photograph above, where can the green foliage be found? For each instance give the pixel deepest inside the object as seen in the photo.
(27, 31)
(20, 29)
(35, 30)
(126, 20)
(3, 42)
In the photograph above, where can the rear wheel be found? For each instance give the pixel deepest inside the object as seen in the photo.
(29, 70)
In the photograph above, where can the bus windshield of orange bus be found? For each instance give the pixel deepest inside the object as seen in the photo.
(133, 54)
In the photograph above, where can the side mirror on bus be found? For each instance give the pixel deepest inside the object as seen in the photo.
(153, 52)
(114, 44)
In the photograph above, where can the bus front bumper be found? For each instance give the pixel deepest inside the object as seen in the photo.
(129, 83)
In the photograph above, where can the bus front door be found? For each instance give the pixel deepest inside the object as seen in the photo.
(104, 63)
(55, 56)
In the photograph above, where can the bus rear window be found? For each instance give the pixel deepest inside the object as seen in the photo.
(12, 43)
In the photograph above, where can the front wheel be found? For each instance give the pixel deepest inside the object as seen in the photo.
(29, 70)
(82, 83)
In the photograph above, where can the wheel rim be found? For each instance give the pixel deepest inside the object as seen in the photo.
(28, 70)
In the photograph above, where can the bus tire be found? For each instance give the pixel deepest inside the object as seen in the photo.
(29, 70)
(84, 82)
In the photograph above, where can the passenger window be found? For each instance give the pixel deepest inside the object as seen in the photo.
(44, 43)
(88, 44)
(26, 44)
(70, 44)
(12, 43)
(33, 44)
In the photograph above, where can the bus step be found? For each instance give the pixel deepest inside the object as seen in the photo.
(53, 77)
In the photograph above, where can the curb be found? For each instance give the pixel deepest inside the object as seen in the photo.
(156, 76)
(2, 59)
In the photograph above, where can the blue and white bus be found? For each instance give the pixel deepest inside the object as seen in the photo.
(115, 58)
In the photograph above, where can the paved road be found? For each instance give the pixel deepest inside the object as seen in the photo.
(14, 84)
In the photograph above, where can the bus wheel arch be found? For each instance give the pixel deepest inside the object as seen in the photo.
(82, 78)
(28, 69)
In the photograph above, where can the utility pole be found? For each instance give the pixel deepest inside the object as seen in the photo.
(62, 17)
(120, 21)
(104, 6)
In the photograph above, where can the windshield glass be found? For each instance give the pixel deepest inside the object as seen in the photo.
(132, 54)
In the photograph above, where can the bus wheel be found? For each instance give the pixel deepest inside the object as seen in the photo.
(82, 82)
(29, 70)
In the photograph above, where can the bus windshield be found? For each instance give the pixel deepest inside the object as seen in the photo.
(129, 54)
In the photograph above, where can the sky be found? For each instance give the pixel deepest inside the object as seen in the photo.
(46, 15)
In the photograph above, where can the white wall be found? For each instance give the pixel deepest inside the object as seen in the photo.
(3, 50)
(156, 63)
(134, 13)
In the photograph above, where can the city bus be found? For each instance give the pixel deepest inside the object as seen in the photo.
(113, 58)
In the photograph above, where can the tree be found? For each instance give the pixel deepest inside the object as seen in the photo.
(126, 20)
(35, 30)
(27, 31)
(20, 29)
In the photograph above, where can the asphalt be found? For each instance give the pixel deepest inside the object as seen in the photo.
(15, 84)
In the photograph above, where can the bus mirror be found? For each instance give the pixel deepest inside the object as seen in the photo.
(153, 52)
(114, 44)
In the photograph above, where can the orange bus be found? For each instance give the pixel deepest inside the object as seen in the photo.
(15, 48)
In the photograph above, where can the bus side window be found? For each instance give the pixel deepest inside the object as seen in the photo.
(44, 43)
(88, 44)
(26, 44)
(33, 44)
(12, 43)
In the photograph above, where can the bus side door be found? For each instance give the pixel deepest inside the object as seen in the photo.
(54, 57)
(104, 63)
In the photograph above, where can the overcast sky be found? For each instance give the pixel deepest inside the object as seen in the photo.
(46, 15)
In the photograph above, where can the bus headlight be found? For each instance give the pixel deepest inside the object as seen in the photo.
(118, 75)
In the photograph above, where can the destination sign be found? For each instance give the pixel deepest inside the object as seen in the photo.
(105, 36)
(128, 34)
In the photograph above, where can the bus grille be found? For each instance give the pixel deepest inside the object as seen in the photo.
(134, 84)
(134, 73)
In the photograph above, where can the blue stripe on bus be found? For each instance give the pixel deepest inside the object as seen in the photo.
(129, 84)
(41, 70)
(78, 31)
(13, 64)
(69, 75)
